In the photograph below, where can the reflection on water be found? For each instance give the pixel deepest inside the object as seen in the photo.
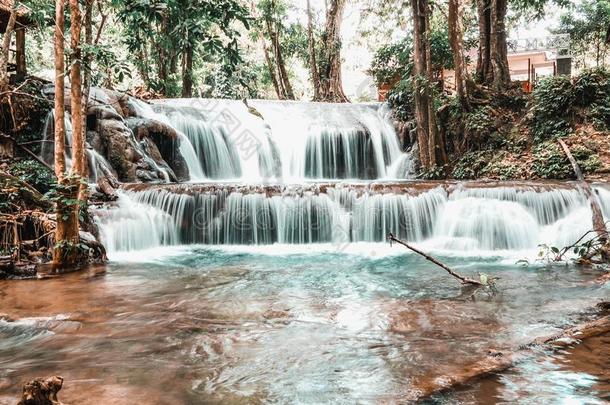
(231, 326)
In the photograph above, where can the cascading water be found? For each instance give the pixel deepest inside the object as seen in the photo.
(286, 141)
(348, 146)
(461, 219)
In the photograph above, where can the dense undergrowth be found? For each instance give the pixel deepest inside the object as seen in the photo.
(514, 135)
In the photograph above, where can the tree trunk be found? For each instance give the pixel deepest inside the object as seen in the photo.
(21, 70)
(67, 232)
(65, 220)
(79, 160)
(499, 46)
(60, 127)
(276, 85)
(331, 85)
(456, 40)
(187, 73)
(492, 64)
(6, 45)
(430, 141)
(484, 74)
(281, 65)
(87, 63)
(433, 138)
(283, 81)
(311, 45)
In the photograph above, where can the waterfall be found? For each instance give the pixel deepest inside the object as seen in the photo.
(98, 165)
(186, 148)
(289, 141)
(455, 219)
(48, 138)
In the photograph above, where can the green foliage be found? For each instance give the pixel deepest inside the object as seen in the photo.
(435, 173)
(65, 197)
(587, 159)
(392, 62)
(552, 101)
(440, 49)
(504, 170)
(470, 165)
(10, 197)
(160, 32)
(587, 23)
(550, 162)
(401, 99)
(71, 249)
(108, 65)
(232, 82)
(33, 173)
(557, 103)
(480, 123)
(591, 86)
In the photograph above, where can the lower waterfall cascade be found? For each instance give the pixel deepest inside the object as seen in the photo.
(461, 218)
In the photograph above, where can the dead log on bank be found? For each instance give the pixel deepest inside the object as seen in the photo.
(463, 279)
(41, 391)
(597, 215)
(497, 361)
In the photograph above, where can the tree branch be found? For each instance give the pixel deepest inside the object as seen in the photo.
(463, 279)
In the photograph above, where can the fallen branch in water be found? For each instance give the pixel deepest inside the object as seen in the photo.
(498, 361)
(463, 279)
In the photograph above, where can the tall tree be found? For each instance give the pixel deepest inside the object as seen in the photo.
(311, 47)
(331, 85)
(492, 64)
(59, 112)
(456, 40)
(425, 113)
(79, 161)
(272, 27)
(67, 222)
(70, 189)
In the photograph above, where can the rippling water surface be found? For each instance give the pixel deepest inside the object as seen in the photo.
(268, 324)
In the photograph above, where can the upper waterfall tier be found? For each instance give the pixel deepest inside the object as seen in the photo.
(259, 141)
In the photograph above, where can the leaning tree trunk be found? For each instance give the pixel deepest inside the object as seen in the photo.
(4, 52)
(311, 45)
(331, 85)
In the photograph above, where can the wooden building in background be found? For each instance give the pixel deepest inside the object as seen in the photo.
(17, 60)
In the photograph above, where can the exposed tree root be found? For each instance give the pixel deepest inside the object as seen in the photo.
(41, 391)
(498, 361)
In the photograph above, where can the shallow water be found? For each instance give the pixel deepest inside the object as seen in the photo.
(218, 325)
